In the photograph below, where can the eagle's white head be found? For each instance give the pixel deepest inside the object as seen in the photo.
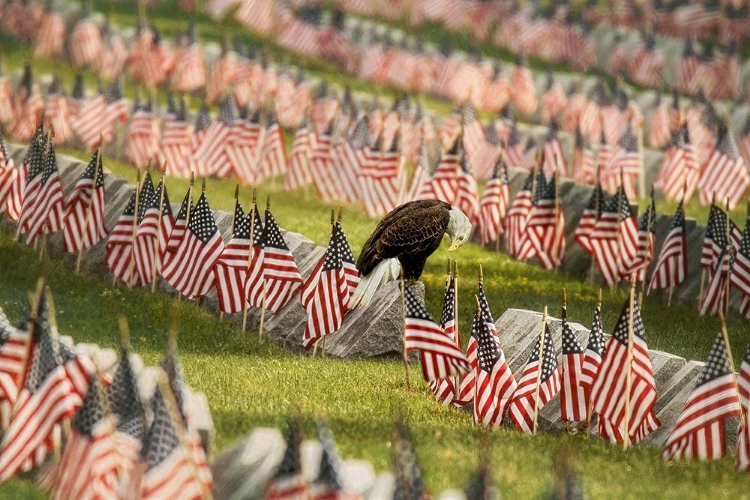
(459, 228)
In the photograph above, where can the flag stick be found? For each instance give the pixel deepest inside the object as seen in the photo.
(642, 176)
(405, 355)
(455, 297)
(729, 249)
(629, 367)
(731, 359)
(90, 209)
(131, 266)
(590, 412)
(158, 234)
(249, 258)
(700, 292)
(651, 209)
(597, 205)
(539, 371)
(265, 287)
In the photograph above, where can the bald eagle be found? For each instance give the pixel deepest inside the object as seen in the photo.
(404, 239)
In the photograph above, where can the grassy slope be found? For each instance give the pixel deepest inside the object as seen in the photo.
(250, 382)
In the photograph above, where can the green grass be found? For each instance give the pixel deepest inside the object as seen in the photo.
(250, 382)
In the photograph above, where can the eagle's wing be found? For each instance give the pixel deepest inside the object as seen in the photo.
(408, 229)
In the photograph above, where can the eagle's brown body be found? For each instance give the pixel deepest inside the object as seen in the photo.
(410, 233)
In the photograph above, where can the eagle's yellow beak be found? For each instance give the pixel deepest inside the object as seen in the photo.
(452, 248)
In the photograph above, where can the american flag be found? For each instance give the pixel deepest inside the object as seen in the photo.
(189, 69)
(444, 389)
(211, 156)
(8, 175)
(554, 158)
(584, 166)
(725, 175)
(287, 482)
(544, 233)
(659, 130)
(281, 279)
(46, 398)
(322, 168)
(671, 268)
(443, 184)
(119, 256)
(125, 403)
(49, 207)
(514, 147)
(688, 69)
(299, 162)
(50, 38)
(494, 383)
(328, 485)
(592, 358)
(325, 294)
(523, 91)
(254, 279)
(699, 432)
(742, 450)
(517, 215)
(615, 238)
(409, 482)
(83, 225)
(440, 356)
(170, 472)
(34, 165)
(190, 268)
(231, 267)
(180, 222)
(466, 191)
(88, 468)
(716, 297)
(194, 447)
(536, 389)
(56, 113)
(715, 239)
(143, 134)
(740, 275)
(589, 218)
(608, 393)
(175, 144)
(382, 180)
(348, 158)
(13, 349)
(96, 118)
(625, 165)
(85, 44)
(493, 206)
(644, 255)
(573, 401)
(272, 159)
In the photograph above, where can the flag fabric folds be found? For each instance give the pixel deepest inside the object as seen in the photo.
(608, 394)
(573, 406)
(83, 225)
(440, 356)
(699, 432)
(325, 294)
(539, 383)
(190, 268)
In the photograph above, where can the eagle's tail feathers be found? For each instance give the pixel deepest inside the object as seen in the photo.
(387, 270)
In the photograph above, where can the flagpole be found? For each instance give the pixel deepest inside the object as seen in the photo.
(265, 287)
(598, 202)
(703, 271)
(590, 412)
(91, 205)
(405, 354)
(539, 371)
(249, 259)
(158, 231)
(629, 366)
(731, 359)
(649, 219)
(135, 225)
(730, 247)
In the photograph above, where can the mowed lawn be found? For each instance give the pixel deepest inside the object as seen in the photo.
(251, 382)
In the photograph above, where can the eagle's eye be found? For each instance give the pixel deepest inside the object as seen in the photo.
(460, 238)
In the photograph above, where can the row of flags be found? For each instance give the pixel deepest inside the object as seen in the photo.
(519, 30)
(108, 439)
(613, 379)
